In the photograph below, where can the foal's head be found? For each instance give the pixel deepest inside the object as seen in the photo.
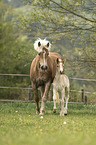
(60, 65)
(43, 55)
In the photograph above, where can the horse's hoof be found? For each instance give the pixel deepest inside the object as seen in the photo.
(37, 112)
(54, 110)
(65, 112)
(42, 112)
(61, 113)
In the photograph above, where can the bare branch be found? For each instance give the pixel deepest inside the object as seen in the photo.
(72, 12)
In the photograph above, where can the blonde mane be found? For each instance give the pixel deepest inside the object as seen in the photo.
(40, 44)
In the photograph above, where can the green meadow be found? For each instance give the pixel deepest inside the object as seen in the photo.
(19, 125)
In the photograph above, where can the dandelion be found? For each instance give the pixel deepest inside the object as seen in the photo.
(41, 117)
(64, 122)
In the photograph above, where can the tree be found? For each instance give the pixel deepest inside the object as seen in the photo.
(73, 19)
(65, 16)
(16, 53)
(15, 48)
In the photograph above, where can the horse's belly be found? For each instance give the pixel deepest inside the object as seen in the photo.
(58, 87)
(41, 81)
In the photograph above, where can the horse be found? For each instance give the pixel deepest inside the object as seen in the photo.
(60, 82)
(42, 73)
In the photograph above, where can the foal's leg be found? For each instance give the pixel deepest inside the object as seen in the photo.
(54, 99)
(50, 94)
(35, 90)
(67, 98)
(44, 98)
(62, 102)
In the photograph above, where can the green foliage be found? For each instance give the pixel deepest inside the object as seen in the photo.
(66, 21)
(20, 125)
(16, 53)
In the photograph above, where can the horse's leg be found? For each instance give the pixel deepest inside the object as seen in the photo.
(62, 102)
(41, 88)
(54, 99)
(35, 90)
(44, 98)
(67, 98)
(50, 94)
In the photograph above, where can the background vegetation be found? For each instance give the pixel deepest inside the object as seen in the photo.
(69, 25)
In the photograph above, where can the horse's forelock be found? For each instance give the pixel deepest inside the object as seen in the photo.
(40, 44)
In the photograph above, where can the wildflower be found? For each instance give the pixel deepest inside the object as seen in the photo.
(64, 122)
(41, 117)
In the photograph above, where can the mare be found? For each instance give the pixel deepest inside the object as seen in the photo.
(42, 73)
(60, 82)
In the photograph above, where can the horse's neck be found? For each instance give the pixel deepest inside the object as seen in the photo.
(57, 74)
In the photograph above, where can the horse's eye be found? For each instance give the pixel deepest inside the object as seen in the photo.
(48, 44)
(39, 53)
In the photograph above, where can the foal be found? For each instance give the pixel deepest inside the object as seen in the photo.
(61, 82)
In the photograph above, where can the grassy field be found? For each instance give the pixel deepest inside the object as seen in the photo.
(19, 125)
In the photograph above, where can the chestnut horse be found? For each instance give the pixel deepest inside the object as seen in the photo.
(42, 73)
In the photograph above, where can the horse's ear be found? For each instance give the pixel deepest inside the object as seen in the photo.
(48, 44)
(39, 44)
(64, 60)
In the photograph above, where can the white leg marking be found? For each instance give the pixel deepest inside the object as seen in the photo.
(62, 102)
(67, 98)
(54, 99)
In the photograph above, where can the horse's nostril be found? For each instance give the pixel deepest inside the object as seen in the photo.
(61, 72)
(44, 67)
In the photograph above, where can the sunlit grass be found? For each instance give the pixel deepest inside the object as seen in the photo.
(19, 125)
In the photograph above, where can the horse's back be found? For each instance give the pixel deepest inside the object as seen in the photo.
(55, 55)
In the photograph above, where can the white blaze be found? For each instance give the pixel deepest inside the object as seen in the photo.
(44, 58)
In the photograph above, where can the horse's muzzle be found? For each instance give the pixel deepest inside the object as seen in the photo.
(61, 72)
(44, 67)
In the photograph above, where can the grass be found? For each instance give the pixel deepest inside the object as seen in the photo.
(19, 125)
